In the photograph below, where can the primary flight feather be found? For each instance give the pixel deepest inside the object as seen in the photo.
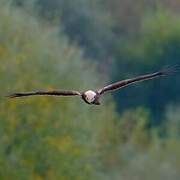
(91, 96)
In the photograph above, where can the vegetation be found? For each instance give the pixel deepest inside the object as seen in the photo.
(79, 45)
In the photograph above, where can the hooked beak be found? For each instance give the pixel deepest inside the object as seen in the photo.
(97, 102)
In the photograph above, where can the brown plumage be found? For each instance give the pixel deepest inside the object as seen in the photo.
(92, 97)
(46, 93)
(123, 83)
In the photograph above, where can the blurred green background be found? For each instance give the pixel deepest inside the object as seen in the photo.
(80, 44)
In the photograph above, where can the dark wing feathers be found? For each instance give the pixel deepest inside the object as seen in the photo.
(123, 83)
(111, 87)
(48, 93)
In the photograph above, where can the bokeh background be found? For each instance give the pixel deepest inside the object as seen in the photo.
(80, 44)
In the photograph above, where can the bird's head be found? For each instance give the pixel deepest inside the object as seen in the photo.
(91, 97)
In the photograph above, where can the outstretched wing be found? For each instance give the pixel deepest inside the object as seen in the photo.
(45, 93)
(123, 83)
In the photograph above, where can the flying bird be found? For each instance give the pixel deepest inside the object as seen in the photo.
(93, 96)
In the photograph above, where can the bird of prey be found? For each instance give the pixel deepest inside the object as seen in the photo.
(93, 96)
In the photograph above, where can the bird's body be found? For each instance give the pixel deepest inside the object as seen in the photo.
(91, 96)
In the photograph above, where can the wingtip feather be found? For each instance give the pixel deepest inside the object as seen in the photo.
(15, 95)
(170, 70)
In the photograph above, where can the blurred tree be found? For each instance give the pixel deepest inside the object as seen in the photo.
(135, 150)
(61, 138)
(43, 137)
(155, 47)
(85, 23)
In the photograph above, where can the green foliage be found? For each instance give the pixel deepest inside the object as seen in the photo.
(85, 22)
(63, 138)
(159, 38)
(135, 150)
(155, 46)
(43, 137)
(127, 39)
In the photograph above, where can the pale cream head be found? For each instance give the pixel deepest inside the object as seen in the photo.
(90, 96)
